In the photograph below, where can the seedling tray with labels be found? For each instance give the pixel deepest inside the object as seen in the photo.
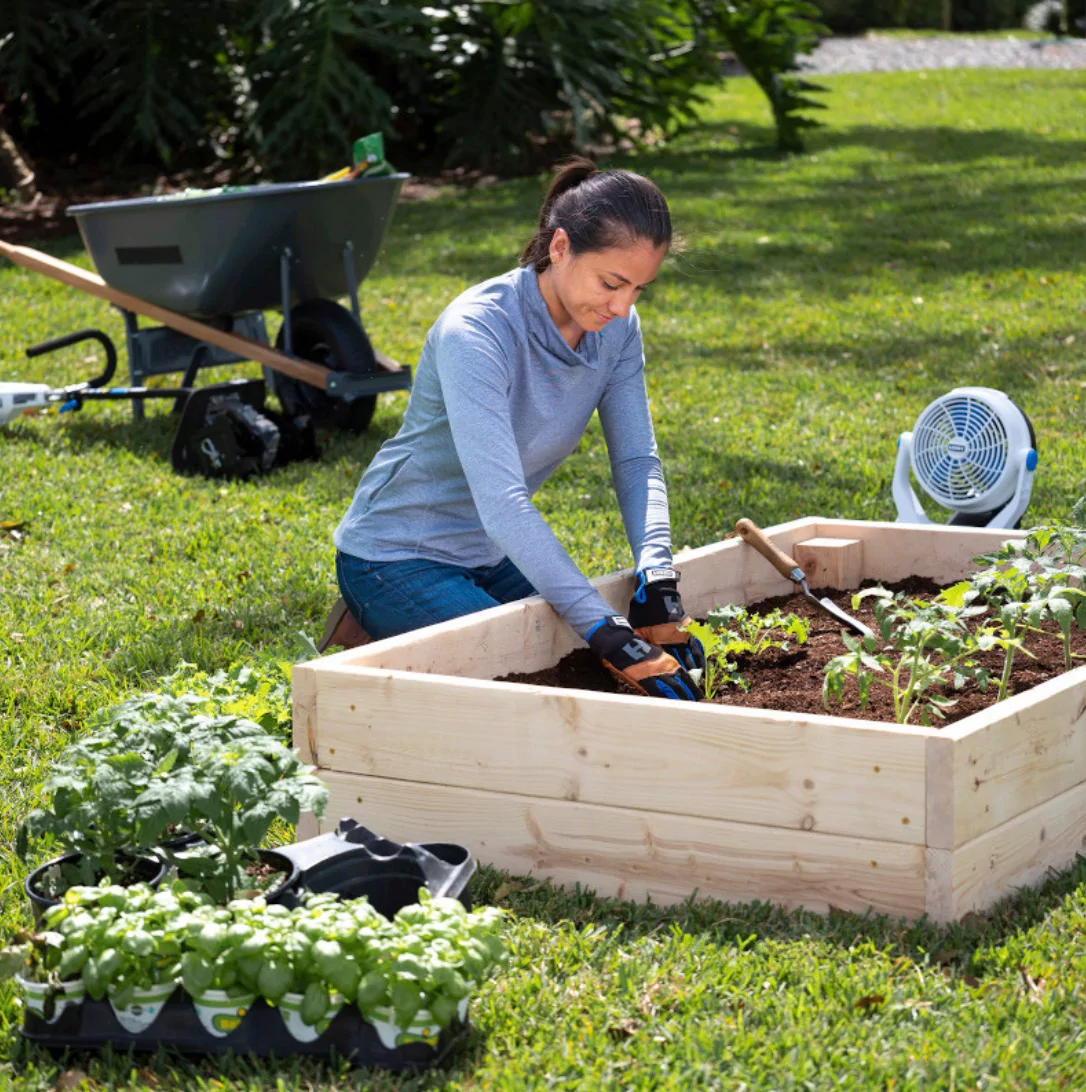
(93, 1025)
(640, 797)
(348, 860)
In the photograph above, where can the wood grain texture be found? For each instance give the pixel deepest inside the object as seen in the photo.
(894, 551)
(303, 695)
(802, 773)
(1019, 852)
(1017, 754)
(634, 854)
(831, 562)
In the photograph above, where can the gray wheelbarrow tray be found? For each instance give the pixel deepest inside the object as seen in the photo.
(253, 249)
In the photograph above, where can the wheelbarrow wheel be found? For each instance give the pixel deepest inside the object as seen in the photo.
(326, 333)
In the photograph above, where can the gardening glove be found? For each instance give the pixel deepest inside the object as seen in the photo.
(656, 613)
(640, 664)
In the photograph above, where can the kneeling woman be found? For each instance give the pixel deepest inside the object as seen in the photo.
(443, 523)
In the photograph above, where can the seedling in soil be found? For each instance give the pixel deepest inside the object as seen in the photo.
(735, 631)
(926, 647)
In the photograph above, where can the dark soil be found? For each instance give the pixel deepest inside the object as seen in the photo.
(792, 681)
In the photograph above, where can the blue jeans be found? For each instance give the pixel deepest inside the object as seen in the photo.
(391, 597)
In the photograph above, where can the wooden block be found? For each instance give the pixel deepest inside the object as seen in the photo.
(831, 562)
(805, 773)
(634, 854)
(1019, 853)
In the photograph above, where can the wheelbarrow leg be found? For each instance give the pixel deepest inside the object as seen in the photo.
(287, 331)
(201, 357)
(136, 371)
(352, 280)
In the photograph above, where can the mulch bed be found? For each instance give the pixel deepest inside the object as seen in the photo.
(792, 681)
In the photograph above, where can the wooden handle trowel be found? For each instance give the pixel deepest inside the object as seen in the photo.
(786, 566)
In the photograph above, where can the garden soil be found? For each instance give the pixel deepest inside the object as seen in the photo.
(792, 681)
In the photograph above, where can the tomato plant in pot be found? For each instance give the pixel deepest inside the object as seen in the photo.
(87, 810)
(152, 768)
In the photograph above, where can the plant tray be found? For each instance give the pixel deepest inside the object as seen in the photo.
(347, 859)
(640, 797)
(92, 1025)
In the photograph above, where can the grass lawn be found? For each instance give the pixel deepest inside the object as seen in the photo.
(934, 236)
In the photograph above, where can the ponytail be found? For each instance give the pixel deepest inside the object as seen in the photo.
(598, 210)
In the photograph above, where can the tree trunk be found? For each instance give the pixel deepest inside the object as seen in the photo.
(16, 171)
(948, 15)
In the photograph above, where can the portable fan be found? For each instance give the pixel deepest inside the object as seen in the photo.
(972, 451)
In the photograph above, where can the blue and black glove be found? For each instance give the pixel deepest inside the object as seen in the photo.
(638, 663)
(657, 615)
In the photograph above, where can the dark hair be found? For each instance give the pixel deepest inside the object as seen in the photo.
(598, 210)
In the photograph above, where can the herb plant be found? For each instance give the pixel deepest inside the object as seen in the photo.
(428, 959)
(735, 631)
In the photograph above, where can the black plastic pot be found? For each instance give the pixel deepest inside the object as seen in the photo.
(286, 890)
(150, 869)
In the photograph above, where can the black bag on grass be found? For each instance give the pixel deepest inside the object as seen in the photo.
(225, 432)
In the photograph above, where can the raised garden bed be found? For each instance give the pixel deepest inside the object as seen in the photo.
(642, 797)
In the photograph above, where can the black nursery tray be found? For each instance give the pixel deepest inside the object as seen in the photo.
(350, 861)
(92, 1026)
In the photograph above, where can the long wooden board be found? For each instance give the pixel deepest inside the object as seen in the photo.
(894, 551)
(634, 854)
(808, 773)
(248, 349)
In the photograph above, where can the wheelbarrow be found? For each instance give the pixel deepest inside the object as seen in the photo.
(207, 265)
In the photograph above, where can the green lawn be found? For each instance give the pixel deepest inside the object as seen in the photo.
(934, 236)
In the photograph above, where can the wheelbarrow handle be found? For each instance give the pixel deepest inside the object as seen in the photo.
(787, 566)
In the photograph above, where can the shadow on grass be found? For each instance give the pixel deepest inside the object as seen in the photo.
(152, 439)
(951, 945)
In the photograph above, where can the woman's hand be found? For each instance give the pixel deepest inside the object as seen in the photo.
(657, 615)
(640, 664)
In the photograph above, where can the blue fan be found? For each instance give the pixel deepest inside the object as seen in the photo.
(973, 451)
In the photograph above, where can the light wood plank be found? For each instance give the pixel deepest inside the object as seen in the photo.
(1016, 754)
(939, 884)
(1020, 852)
(633, 854)
(893, 551)
(939, 827)
(303, 694)
(758, 766)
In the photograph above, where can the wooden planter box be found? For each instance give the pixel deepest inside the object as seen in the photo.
(643, 797)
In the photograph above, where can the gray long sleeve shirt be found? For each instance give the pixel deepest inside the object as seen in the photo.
(499, 400)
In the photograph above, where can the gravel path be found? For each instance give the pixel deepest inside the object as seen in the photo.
(835, 55)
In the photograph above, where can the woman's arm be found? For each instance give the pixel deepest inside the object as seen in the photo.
(635, 465)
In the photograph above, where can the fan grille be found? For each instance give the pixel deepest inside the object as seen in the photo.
(960, 449)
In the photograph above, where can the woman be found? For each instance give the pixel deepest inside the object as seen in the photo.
(443, 524)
